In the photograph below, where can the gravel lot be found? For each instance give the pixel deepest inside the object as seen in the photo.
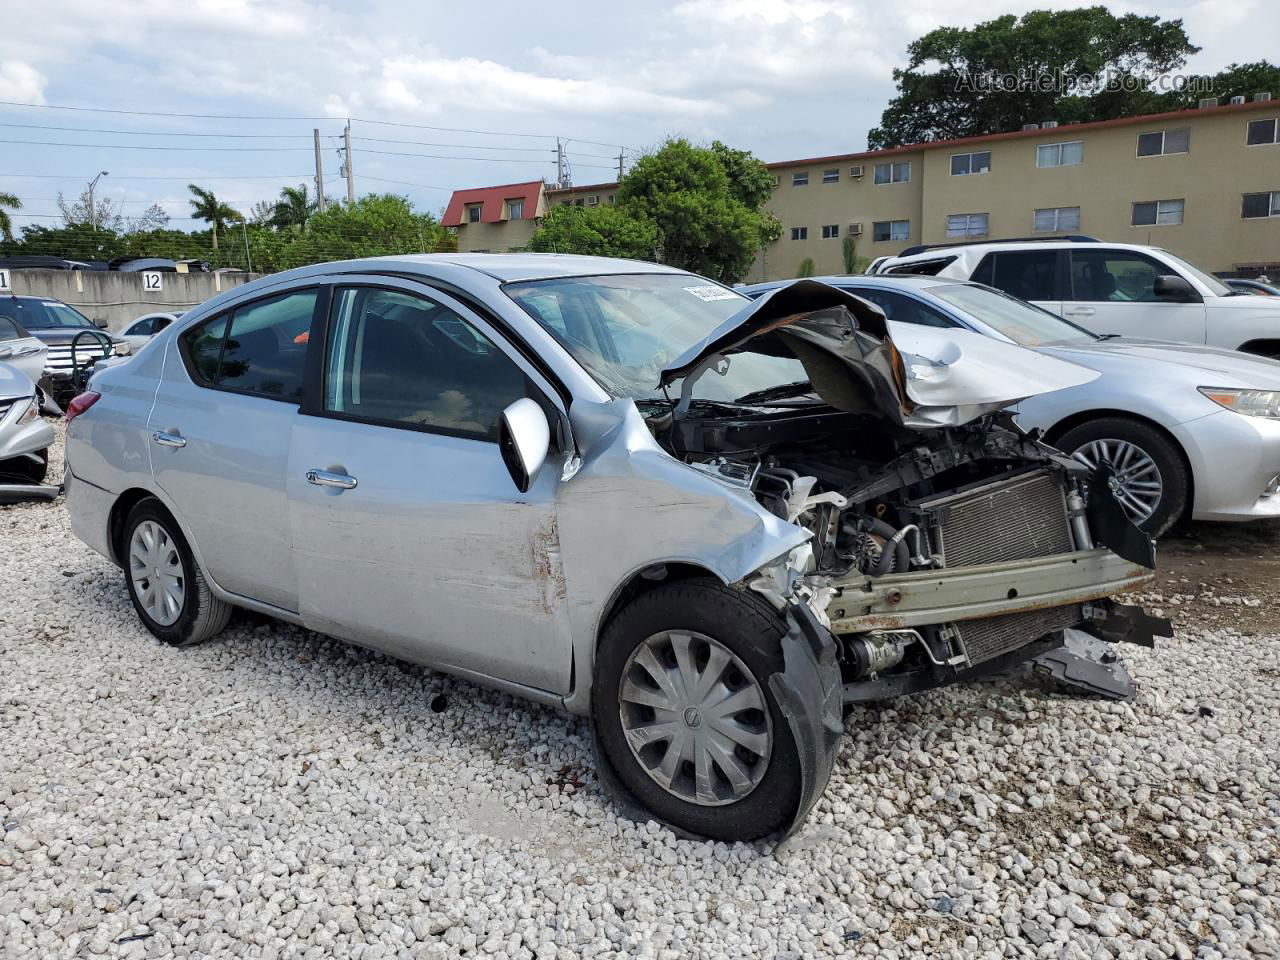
(277, 794)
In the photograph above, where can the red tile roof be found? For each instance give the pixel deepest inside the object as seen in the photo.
(1071, 128)
(492, 198)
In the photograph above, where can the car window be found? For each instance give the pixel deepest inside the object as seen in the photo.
(1114, 276)
(43, 314)
(1025, 274)
(142, 328)
(9, 330)
(903, 309)
(1023, 323)
(259, 348)
(400, 359)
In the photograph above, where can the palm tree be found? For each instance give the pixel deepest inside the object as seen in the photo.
(294, 207)
(209, 208)
(6, 225)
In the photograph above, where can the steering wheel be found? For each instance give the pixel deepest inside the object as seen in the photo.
(108, 346)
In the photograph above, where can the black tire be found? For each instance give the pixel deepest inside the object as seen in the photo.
(751, 629)
(202, 615)
(1174, 475)
(25, 470)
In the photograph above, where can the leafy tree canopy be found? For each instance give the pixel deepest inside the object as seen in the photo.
(604, 231)
(954, 84)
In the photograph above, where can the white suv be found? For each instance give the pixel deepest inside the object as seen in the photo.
(1117, 288)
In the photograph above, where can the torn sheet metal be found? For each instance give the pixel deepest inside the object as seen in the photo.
(917, 376)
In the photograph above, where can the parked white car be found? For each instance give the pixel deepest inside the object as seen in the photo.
(139, 333)
(1122, 288)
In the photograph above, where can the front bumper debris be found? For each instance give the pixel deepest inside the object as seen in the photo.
(929, 597)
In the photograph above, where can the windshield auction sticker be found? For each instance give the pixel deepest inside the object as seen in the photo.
(709, 292)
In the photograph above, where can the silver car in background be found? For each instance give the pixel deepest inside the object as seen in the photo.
(603, 485)
(1191, 430)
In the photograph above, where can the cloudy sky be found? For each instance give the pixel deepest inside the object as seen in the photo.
(474, 93)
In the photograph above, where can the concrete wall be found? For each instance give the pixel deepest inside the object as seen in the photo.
(119, 298)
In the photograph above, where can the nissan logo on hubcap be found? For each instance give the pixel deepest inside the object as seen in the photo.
(692, 717)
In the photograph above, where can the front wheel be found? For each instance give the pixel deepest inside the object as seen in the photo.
(685, 715)
(165, 583)
(1149, 477)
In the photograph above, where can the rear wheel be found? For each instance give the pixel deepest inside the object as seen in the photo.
(683, 708)
(165, 583)
(1149, 477)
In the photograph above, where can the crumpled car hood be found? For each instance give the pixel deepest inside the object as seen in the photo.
(919, 376)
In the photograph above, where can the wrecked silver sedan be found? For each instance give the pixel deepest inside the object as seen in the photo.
(705, 522)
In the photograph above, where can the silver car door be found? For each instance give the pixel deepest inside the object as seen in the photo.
(219, 439)
(409, 534)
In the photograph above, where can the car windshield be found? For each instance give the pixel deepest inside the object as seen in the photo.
(42, 314)
(626, 328)
(1023, 323)
(1216, 286)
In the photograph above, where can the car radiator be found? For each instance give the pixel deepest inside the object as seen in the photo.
(58, 358)
(1013, 518)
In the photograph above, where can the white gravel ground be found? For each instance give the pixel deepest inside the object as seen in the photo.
(277, 794)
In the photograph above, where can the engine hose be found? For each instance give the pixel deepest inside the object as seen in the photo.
(896, 554)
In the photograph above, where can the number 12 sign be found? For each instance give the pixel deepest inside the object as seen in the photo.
(152, 282)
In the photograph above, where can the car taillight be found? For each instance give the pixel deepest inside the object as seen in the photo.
(80, 404)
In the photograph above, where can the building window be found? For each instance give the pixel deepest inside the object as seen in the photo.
(515, 209)
(883, 230)
(777, 180)
(1060, 154)
(1160, 143)
(1256, 205)
(967, 225)
(1157, 213)
(799, 233)
(831, 176)
(893, 172)
(1263, 131)
(830, 231)
(1056, 220)
(963, 164)
(473, 212)
(800, 179)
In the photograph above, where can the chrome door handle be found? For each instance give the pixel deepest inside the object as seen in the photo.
(1080, 312)
(327, 478)
(168, 439)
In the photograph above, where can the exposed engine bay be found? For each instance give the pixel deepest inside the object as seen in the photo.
(945, 541)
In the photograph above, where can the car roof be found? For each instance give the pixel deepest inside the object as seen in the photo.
(970, 249)
(503, 267)
(916, 282)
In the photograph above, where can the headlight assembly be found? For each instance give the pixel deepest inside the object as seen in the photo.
(1250, 403)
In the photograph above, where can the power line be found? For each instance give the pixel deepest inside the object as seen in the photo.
(149, 146)
(187, 177)
(162, 133)
(405, 183)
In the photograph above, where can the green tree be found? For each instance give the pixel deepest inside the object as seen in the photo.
(954, 84)
(1237, 80)
(205, 206)
(807, 269)
(595, 231)
(6, 223)
(707, 221)
(294, 208)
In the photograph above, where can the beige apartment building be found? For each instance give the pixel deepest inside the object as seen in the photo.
(1203, 183)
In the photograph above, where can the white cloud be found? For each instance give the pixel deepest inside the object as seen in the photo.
(21, 82)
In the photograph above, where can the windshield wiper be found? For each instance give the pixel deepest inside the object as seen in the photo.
(780, 392)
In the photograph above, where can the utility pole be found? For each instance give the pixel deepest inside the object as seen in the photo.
(351, 178)
(93, 208)
(621, 154)
(319, 173)
(248, 262)
(562, 166)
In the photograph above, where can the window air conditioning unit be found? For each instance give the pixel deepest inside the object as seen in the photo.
(1031, 126)
(1237, 100)
(1049, 124)
(593, 201)
(1262, 96)
(1208, 102)
(855, 229)
(856, 173)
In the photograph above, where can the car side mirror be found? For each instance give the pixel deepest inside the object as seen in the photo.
(100, 323)
(524, 437)
(1175, 289)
